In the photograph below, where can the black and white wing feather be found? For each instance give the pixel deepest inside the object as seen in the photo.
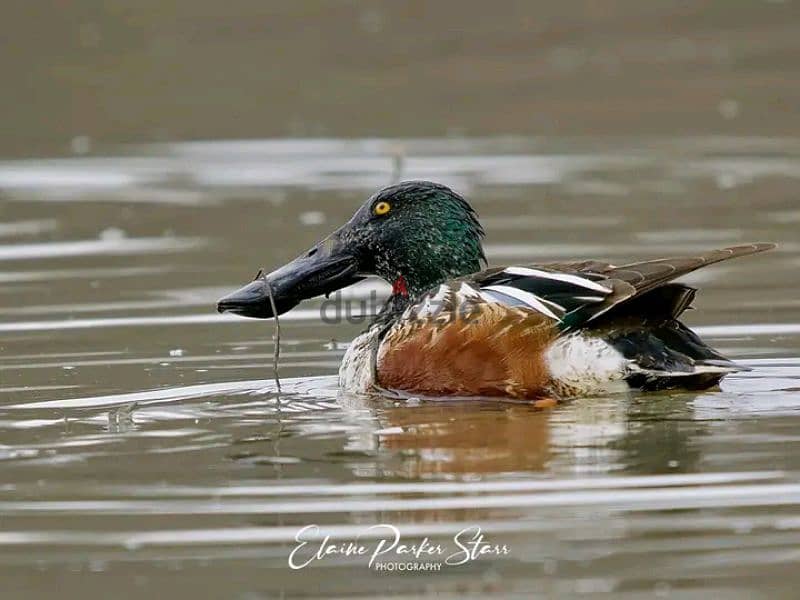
(579, 292)
(556, 294)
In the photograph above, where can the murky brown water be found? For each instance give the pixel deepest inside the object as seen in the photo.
(143, 449)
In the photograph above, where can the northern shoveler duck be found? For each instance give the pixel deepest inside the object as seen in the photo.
(535, 331)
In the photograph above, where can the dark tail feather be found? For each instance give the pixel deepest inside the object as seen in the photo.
(662, 303)
(669, 356)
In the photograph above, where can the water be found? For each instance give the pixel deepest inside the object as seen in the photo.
(143, 447)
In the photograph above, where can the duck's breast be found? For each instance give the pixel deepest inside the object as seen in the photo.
(357, 371)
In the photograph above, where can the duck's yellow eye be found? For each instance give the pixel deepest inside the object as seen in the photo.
(381, 208)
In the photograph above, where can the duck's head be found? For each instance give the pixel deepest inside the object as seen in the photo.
(414, 235)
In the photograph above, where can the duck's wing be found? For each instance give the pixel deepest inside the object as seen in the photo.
(576, 293)
(567, 296)
(649, 274)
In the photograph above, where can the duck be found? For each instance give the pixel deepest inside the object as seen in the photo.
(455, 327)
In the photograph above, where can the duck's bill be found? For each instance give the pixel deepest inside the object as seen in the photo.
(313, 274)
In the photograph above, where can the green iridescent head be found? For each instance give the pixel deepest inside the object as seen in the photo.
(421, 231)
(415, 235)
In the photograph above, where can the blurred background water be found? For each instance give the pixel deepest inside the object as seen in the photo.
(154, 155)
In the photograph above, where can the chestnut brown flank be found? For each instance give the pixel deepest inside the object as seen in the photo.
(497, 351)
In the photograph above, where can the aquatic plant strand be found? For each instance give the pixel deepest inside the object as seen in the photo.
(277, 335)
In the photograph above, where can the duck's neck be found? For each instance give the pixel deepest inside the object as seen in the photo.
(419, 276)
(406, 290)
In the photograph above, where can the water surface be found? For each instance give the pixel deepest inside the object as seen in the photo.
(144, 449)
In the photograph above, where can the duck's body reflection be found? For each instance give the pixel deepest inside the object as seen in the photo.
(479, 438)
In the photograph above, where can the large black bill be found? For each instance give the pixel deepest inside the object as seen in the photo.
(321, 271)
